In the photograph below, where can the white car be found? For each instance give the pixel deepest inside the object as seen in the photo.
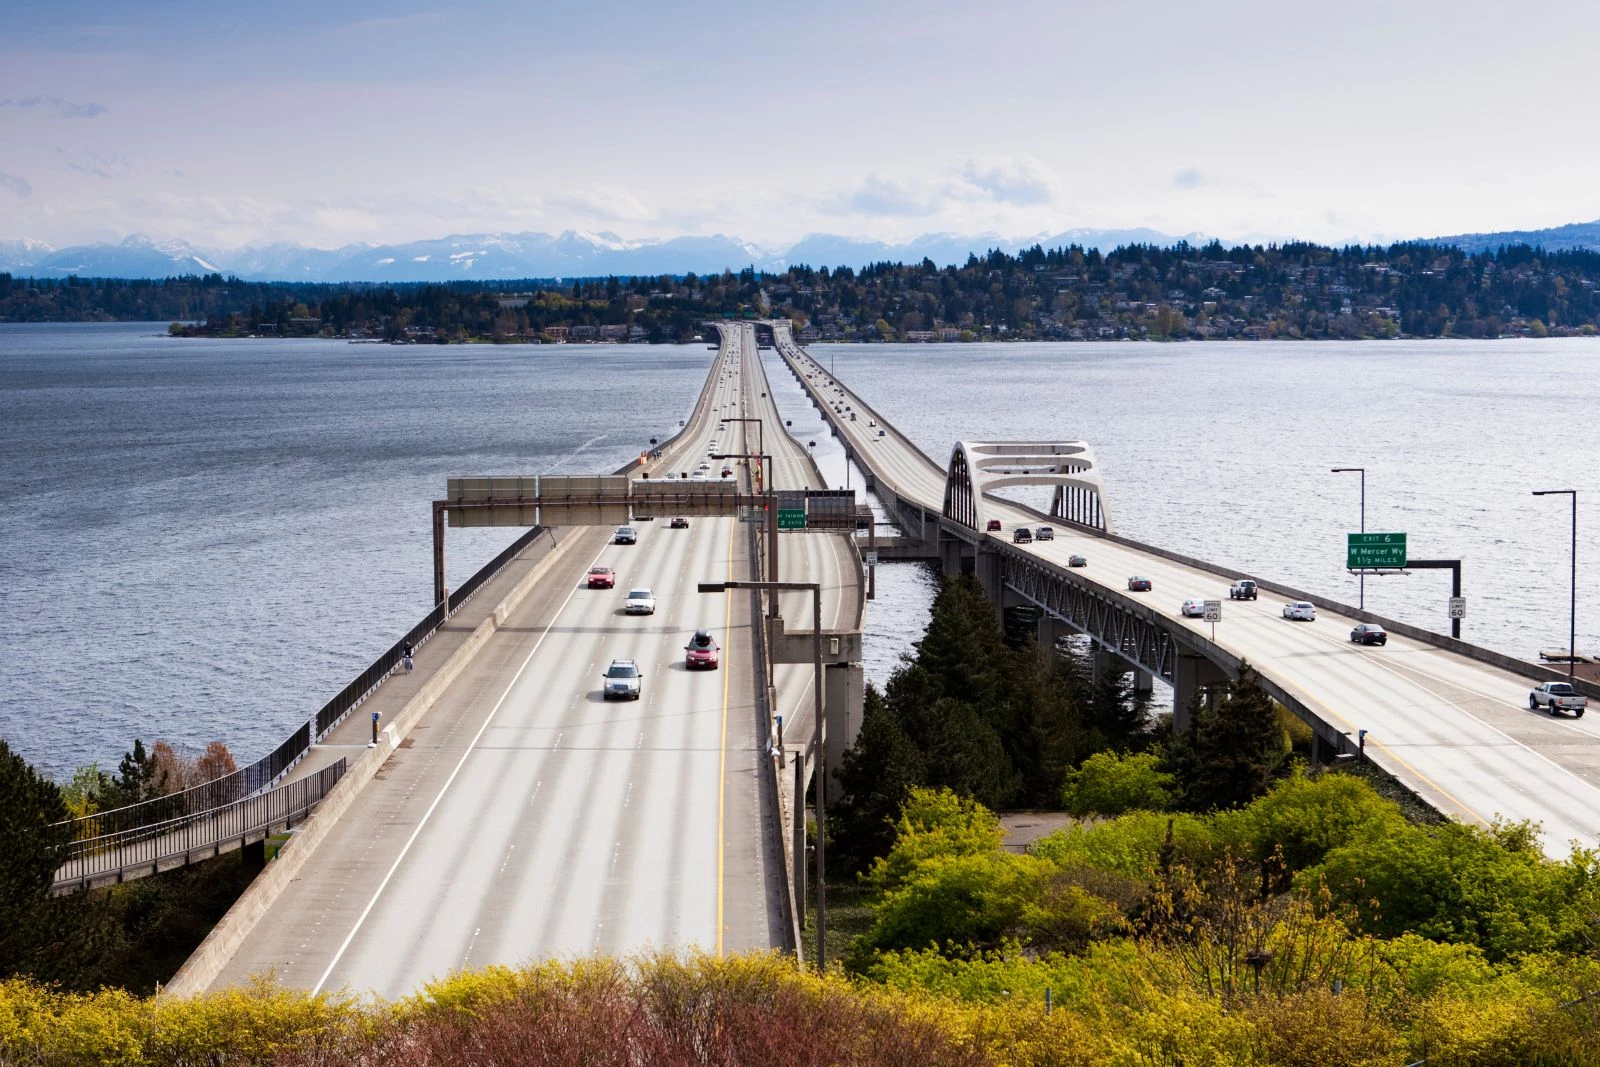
(698, 476)
(1300, 609)
(639, 602)
(1193, 609)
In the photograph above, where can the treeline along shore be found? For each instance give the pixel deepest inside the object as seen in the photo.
(1288, 292)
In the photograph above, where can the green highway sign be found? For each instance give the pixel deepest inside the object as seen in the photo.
(1373, 551)
(791, 518)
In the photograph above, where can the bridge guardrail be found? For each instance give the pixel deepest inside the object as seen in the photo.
(110, 855)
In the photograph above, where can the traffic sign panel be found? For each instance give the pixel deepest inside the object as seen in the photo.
(1458, 607)
(1213, 610)
(791, 518)
(872, 559)
(1369, 551)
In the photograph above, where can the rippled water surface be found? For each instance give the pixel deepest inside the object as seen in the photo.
(1223, 451)
(207, 539)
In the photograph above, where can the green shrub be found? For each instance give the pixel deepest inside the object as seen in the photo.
(1110, 783)
(935, 824)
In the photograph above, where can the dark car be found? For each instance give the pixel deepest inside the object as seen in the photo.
(994, 526)
(1367, 633)
(1138, 584)
(1077, 561)
(1022, 536)
(679, 523)
(625, 535)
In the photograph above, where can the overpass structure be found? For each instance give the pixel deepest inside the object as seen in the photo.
(508, 813)
(1447, 719)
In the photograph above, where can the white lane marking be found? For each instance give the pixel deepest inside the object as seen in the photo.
(468, 957)
(387, 878)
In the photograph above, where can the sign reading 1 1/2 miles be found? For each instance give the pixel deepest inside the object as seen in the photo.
(1368, 551)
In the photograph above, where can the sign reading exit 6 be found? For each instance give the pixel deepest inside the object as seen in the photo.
(1368, 551)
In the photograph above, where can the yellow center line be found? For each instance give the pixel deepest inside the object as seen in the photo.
(722, 759)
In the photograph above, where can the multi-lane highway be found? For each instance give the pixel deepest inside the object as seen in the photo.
(1456, 730)
(526, 817)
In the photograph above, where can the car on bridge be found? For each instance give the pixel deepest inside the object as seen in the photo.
(625, 535)
(1302, 610)
(1139, 584)
(639, 602)
(1044, 533)
(1558, 696)
(1369, 633)
(602, 577)
(1022, 536)
(1193, 608)
(1076, 561)
(678, 523)
(1244, 589)
(993, 526)
(623, 681)
(701, 651)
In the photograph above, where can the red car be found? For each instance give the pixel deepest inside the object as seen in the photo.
(701, 651)
(994, 525)
(602, 577)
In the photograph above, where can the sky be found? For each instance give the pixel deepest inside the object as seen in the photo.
(329, 123)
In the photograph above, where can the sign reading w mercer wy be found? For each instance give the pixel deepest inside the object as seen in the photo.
(1368, 551)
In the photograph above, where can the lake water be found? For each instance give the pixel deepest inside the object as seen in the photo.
(207, 539)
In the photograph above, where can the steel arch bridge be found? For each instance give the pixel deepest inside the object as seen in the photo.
(978, 468)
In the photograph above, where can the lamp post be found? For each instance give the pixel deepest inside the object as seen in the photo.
(1572, 616)
(818, 743)
(1363, 472)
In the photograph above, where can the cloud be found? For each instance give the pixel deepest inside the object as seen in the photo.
(1189, 178)
(64, 109)
(988, 182)
(16, 184)
(112, 166)
(1021, 180)
(608, 203)
(885, 197)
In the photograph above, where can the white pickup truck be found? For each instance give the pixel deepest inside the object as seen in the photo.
(1558, 696)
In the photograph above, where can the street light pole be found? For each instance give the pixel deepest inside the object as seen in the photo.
(1362, 576)
(818, 742)
(1572, 610)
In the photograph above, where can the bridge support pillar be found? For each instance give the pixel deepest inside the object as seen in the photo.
(797, 829)
(1144, 683)
(1103, 662)
(843, 700)
(953, 556)
(1051, 631)
(986, 568)
(1194, 679)
(254, 856)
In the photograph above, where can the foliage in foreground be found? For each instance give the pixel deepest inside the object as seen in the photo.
(1116, 1005)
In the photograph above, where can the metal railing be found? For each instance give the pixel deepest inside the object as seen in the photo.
(96, 858)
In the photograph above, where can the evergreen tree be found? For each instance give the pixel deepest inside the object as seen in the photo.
(33, 846)
(1231, 754)
(879, 771)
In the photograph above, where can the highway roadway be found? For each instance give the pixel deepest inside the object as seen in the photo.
(527, 818)
(826, 558)
(1455, 730)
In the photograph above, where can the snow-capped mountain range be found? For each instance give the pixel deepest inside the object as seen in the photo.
(491, 256)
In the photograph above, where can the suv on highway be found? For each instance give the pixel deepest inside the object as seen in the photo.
(1558, 696)
(1022, 536)
(678, 523)
(622, 681)
(1044, 533)
(1244, 589)
(993, 526)
(701, 651)
(625, 535)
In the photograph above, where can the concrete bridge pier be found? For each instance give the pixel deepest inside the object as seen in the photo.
(1195, 678)
(1051, 631)
(844, 691)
